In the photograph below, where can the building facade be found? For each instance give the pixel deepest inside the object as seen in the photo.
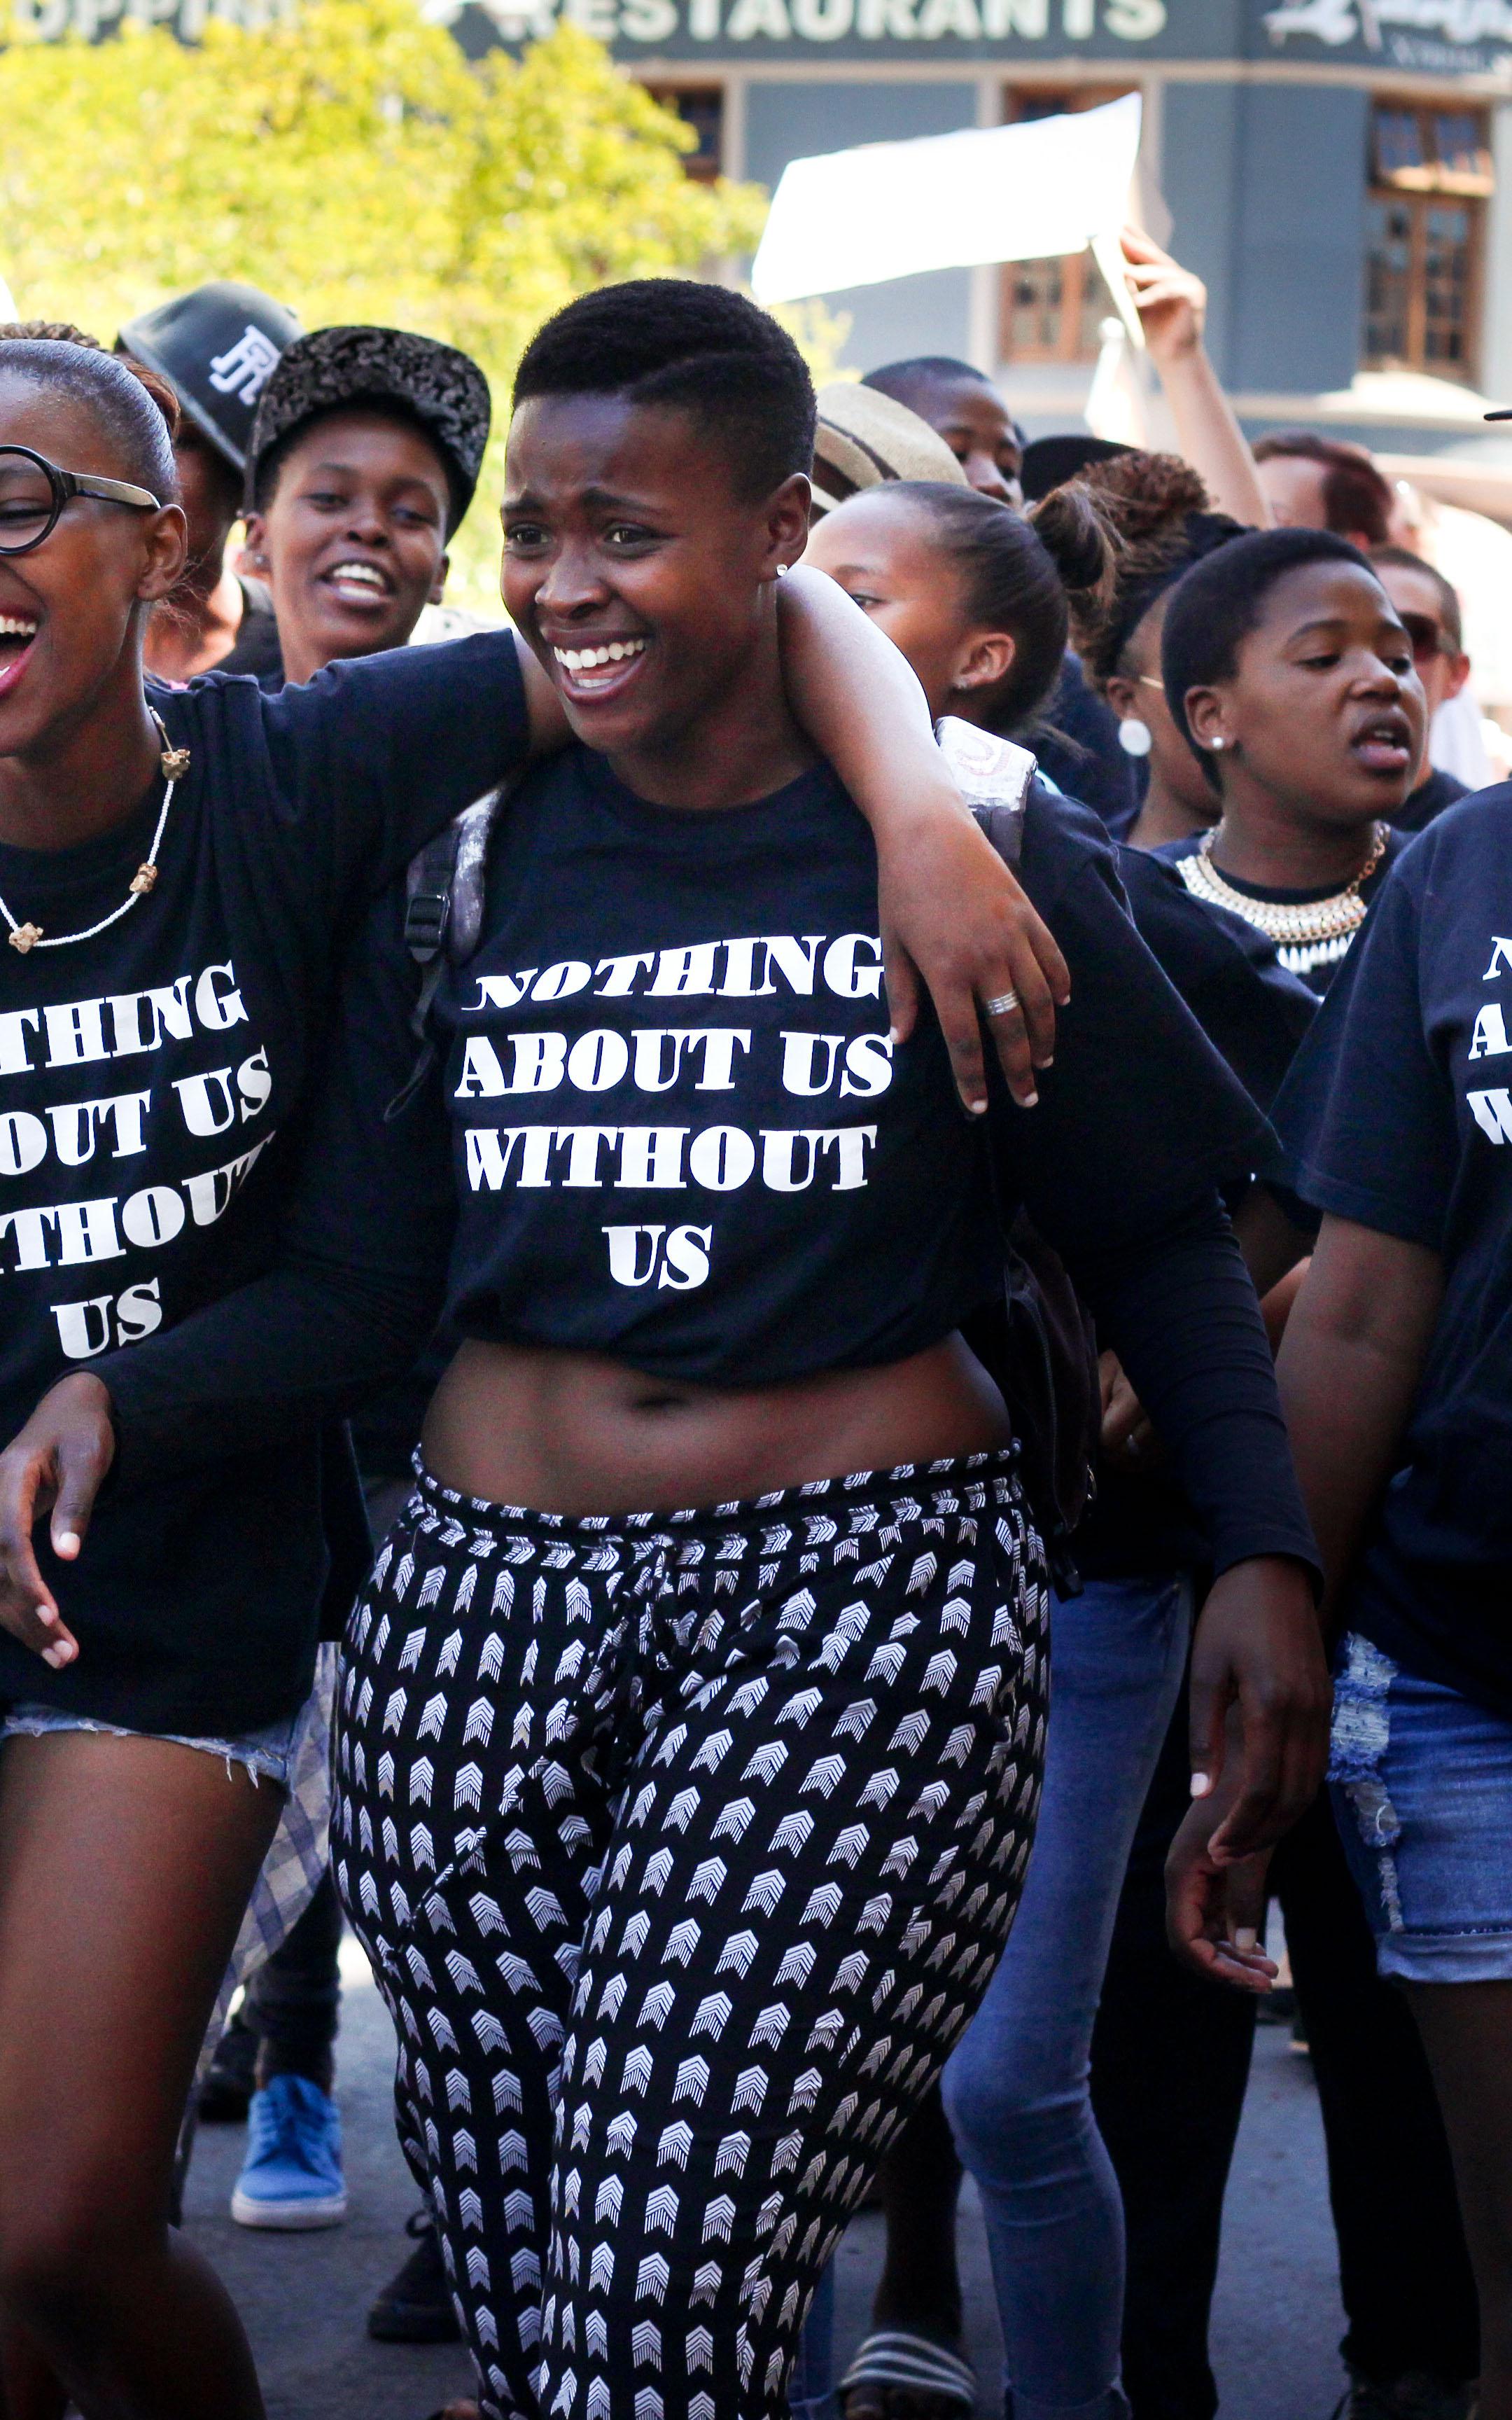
(1339, 172)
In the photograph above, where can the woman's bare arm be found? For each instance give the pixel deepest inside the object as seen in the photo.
(1172, 304)
(1349, 1369)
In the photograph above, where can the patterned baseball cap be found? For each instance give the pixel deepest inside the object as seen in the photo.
(217, 346)
(446, 392)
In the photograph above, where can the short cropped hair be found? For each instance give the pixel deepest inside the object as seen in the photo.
(135, 411)
(677, 343)
(904, 380)
(1401, 558)
(1219, 603)
(1355, 494)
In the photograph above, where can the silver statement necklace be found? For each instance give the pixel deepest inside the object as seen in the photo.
(175, 762)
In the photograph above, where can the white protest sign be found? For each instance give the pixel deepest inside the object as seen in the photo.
(1030, 191)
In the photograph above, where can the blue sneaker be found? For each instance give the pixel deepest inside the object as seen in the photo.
(292, 2174)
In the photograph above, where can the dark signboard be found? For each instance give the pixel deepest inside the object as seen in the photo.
(1432, 37)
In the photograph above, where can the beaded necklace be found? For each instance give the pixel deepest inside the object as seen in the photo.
(175, 762)
(1292, 924)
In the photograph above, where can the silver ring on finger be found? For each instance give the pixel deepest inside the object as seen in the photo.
(1004, 1005)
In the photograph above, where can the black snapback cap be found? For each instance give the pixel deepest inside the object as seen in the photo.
(217, 348)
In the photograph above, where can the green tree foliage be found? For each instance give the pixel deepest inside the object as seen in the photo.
(348, 159)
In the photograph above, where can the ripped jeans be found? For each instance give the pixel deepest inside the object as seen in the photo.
(1422, 1782)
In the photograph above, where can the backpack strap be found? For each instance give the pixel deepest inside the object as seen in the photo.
(1038, 1341)
(445, 893)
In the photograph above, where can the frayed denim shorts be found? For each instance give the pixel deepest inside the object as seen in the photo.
(1422, 1782)
(267, 1755)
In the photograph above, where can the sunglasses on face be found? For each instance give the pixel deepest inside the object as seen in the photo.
(1429, 637)
(35, 493)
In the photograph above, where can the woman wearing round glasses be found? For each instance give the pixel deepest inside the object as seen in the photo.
(176, 875)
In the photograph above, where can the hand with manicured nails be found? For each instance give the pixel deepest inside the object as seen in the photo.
(953, 915)
(57, 1463)
(1260, 1701)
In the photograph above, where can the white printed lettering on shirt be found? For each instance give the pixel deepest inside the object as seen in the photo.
(84, 1328)
(14, 1026)
(783, 1170)
(638, 1254)
(86, 1231)
(651, 1158)
(651, 1075)
(719, 1159)
(722, 1159)
(560, 982)
(868, 1066)
(843, 975)
(255, 1082)
(207, 1101)
(154, 1215)
(1501, 959)
(597, 1061)
(1489, 1040)
(1492, 1113)
(76, 1127)
(799, 1054)
(75, 1033)
(167, 1012)
(503, 991)
(22, 1143)
(680, 972)
(217, 1009)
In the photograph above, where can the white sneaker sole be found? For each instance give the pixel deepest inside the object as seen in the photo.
(289, 2217)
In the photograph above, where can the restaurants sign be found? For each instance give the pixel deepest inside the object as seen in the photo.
(1434, 37)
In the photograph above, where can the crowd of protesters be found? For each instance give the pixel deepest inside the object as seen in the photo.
(865, 1619)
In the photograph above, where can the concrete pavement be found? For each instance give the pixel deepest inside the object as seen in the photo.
(1277, 2320)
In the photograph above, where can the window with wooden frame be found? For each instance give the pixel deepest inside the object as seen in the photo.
(1431, 179)
(1052, 310)
(702, 107)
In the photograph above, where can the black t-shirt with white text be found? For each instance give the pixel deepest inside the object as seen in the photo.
(149, 1080)
(660, 1119)
(1398, 1115)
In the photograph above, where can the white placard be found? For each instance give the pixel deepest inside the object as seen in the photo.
(949, 201)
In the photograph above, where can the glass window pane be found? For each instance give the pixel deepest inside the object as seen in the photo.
(1037, 307)
(1388, 281)
(1459, 141)
(1446, 272)
(1097, 305)
(1399, 143)
(702, 107)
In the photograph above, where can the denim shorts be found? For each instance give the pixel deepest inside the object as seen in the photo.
(267, 1755)
(1422, 1782)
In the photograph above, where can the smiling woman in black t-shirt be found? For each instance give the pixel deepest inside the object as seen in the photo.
(692, 1722)
(178, 878)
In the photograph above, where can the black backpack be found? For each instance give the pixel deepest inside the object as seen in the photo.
(1038, 1343)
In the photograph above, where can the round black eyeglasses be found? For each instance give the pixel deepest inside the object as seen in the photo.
(34, 494)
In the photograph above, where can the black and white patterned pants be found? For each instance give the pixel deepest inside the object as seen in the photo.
(683, 1847)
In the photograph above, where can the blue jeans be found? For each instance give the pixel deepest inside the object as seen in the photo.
(1016, 2086)
(1422, 1783)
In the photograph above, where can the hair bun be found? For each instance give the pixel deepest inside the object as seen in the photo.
(1073, 531)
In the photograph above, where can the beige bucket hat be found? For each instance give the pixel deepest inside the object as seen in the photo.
(865, 437)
